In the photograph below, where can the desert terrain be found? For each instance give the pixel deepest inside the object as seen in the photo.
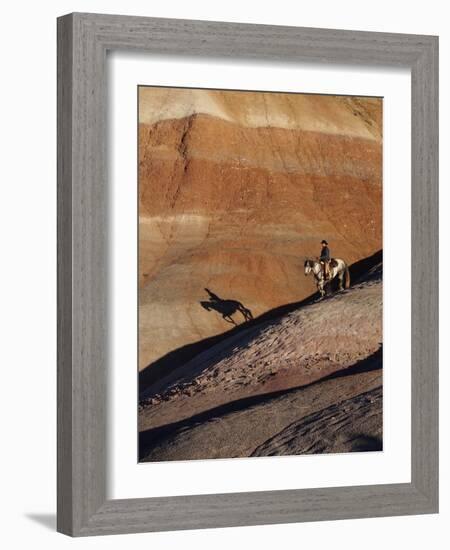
(306, 381)
(236, 190)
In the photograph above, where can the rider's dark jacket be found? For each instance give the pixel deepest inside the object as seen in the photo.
(325, 254)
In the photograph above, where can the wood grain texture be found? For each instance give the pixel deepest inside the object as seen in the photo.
(83, 40)
(425, 272)
(64, 251)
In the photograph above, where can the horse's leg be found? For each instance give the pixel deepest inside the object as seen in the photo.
(229, 319)
(243, 311)
(341, 280)
(321, 289)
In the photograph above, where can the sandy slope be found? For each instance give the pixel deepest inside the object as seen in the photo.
(245, 429)
(295, 350)
(353, 424)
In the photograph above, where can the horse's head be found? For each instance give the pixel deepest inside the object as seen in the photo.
(308, 267)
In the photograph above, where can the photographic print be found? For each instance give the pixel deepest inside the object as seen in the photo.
(260, 274)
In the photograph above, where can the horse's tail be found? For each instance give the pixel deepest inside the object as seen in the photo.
(347, 278)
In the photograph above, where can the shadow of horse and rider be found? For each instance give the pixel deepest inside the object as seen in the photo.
(227, 308)
(337, 269)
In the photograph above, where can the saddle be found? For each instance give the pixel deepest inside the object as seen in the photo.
(326, 267)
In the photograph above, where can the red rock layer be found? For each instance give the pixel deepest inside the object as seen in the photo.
(237, 209)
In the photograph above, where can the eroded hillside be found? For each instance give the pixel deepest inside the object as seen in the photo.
(308, 381)
(235, 190)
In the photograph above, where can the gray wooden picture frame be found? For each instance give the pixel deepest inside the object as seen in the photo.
(83, 41)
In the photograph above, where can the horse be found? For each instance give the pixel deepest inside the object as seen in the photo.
(338, 268)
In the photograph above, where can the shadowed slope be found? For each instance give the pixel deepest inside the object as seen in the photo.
(293, 350)
(240, 427)
(176, 358)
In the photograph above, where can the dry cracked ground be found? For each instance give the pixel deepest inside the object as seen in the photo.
(307, 381)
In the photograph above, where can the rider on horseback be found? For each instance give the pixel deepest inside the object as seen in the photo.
(325, 269)
(325, 259)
